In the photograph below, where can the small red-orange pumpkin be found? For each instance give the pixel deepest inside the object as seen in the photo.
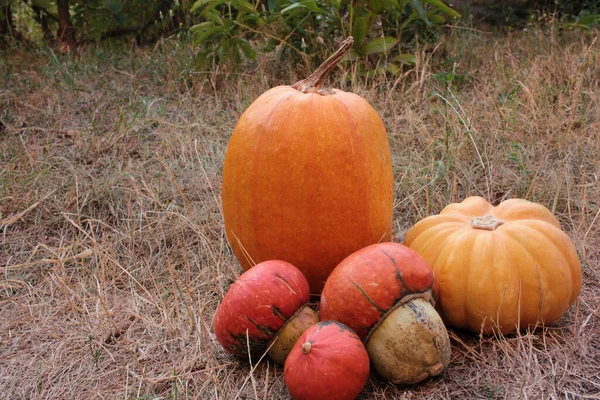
(265, 309)
(328, 362)
(307, 177)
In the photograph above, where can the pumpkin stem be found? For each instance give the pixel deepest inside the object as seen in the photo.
(312, 84)
(306, 348)
(486, 223)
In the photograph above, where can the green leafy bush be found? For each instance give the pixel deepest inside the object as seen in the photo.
(586, 13)
(96, 19)
(233, 30)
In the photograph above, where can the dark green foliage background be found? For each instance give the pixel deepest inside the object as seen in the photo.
(386, 32)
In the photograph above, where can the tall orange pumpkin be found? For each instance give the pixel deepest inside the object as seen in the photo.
(307, 177)
(498, 268)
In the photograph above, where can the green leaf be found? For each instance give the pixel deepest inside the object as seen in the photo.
(403, 4)
(200, 38)
(360, 30)
(399, 5)
(120, 17)
(440, 5)
(405, 59)
(199, 4)
(590, 19)
(215, 17)
(393, 3)
(421, 11)
(375, 6)
(380, 45)
(244, 5)
(210, 5)
(272, 4)
(308, 4)
(313, 6)
(436, 18)
(202, 26)
(413, 16)
(247, 49)
(114, 6)
(291, 7)
(393, 69)
(352, 55)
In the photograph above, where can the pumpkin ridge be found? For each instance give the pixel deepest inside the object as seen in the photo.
(354, 127)
(445, 243)
(519, 263)
(554, 229)
(540, 290)
(544, 273)
(540, 212)
(457, 224)
(436, 234)
(542, 234)
(565, 263)
(499, 271)
(441, 270)
(467, 205)
(349, 116)
(575, 271)
(263, 158)
(271, 115)
(506, 206)
(466, 319)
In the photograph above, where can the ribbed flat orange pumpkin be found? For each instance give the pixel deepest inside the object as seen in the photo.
(307, 178)
(498, 268)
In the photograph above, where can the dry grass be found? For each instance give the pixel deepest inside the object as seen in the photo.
(112, 251)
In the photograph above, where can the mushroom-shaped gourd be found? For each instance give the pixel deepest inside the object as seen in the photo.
(328, 362)
(265, 309)
(384, 293)
(499, 268)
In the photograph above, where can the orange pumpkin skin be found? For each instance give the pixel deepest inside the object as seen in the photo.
(371, 281)
(328, 362)
(308, 179)
(505, 276)
(258, 305)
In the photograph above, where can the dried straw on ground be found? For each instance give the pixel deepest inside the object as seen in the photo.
(112, 250)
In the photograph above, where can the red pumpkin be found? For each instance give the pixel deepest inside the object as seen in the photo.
(385, 293)
(307, 177)
(328, 362)
(265, 308)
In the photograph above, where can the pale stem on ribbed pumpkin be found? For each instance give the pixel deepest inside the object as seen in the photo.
(306, 348)
(312, 84)
(486, 223)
